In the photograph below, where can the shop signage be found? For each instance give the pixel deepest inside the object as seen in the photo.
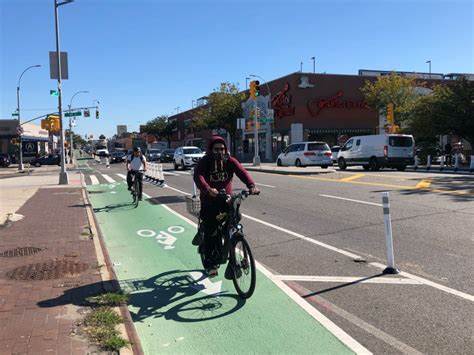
(335, 102)
(281, 103)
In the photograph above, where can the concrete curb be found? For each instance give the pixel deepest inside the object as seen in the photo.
(108, 275)
(283, 172)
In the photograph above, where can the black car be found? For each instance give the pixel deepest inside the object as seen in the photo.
(153, 155)
(167, 156)
(46, 160)
(118, 157)
(5, 160)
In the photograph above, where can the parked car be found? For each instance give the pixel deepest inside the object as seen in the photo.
(378, 151)
(118, 157)
(334, 151)
(5, 160)
(153, 155)
(46, 160)
(186, 157)
(167, 156)
(102, 152)
(306, 154)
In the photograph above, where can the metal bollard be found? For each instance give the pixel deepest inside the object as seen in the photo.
(428, 162)
(390, 269)
(456, 162)
(441, 163)
(417, 162)
(471, 168)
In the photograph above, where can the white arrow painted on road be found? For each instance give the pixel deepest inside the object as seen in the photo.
(205, 285)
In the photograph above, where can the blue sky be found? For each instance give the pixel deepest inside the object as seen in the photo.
(143, 58)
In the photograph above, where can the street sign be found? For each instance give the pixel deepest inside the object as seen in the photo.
(19, 130)
(15, 114)
(73, 114)
(53, 92)
(87, 113)
(53, 65)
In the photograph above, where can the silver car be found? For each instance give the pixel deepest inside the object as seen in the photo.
(306, 154)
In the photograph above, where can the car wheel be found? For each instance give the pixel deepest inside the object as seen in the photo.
(279, 162)
(342, 164)
(401, 168)
(175, 165)
(298, 163)
(373, 164)
(366, 167)
(37, 164)
(182, 165)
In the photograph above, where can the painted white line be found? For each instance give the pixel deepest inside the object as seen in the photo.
(344, 279)
(323, 320)
(169, 174)
(122, 176)
(314, 241)
(182, 172)
(181, 192)
(351, 200)
(108, 178)
(264, 185)
(430, 283)
(387, 338)
(94, 180)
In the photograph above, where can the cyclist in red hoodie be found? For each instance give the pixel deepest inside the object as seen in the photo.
(213, 173)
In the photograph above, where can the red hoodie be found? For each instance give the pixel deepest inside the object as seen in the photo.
(211, 173)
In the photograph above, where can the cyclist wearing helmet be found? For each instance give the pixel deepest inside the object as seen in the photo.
(213, 173)
(136, 162)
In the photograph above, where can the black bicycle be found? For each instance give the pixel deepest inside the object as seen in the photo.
(136, 174)
(234, 248)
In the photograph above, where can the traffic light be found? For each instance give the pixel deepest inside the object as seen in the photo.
(390, 114)
(45, 124)
(254, 89)
(96, 114)
(54, 125)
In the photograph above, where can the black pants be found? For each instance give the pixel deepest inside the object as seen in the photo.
(138, 176)
(212, 240)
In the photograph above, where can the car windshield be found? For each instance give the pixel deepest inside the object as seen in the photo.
(117, 154)
(318, 146)
(169, 151)
(154, 151)
(400, 141)
(192, 151)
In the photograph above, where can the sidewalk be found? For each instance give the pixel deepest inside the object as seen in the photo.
(44, 284)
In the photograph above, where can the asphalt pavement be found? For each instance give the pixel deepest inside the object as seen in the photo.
(323, 235)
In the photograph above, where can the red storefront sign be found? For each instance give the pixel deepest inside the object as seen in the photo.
(281, 103)
(334, 102)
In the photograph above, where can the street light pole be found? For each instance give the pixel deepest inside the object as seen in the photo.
(429, 62)
(70, 120)
(314, 64)
(20, 165)
(63, 177)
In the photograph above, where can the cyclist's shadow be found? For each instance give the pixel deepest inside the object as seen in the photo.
(174, 295)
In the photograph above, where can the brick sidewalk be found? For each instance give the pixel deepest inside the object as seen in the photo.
(38, 316)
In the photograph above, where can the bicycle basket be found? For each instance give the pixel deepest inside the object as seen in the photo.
(193, 205)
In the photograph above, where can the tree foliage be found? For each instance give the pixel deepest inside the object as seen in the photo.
(162, 127)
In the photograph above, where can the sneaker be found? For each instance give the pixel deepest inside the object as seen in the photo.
(140, 199)
(196, 240)
(211, 272)
(130, 188)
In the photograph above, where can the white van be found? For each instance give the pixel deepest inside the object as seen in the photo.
(378, 151)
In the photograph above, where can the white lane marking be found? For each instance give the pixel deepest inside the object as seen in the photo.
(351, 200)
(323, 320)
(108, 178)
(397, 344)
(204, 284)
(94, 180)
(344, 279)
(169, 174)
(264, 185)
(181, 192)
(122, 176)
(354, 256)
(182, 172)
(430, 283)
(314, 241)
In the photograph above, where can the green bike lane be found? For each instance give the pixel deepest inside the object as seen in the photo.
(176, 309)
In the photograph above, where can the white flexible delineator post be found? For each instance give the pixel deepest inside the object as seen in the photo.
(441, 163)
(471, 168)
(390, 269)
(417, 162)
(428, 162)
(161, 176)
(456, 162)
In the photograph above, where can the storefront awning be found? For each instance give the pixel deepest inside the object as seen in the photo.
(34, 139)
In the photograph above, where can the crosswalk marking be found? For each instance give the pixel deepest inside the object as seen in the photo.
(108, 178)
(169, 174)
(122, 176)
(183, 172)
(94, 180)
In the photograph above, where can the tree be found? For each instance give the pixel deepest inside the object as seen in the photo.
(76, 138)
(161, 127)
(448, 110)
(394, 89)
(224, 106)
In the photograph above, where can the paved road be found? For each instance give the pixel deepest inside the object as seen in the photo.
(319, 233)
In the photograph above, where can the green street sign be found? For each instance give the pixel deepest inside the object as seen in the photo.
(73, 114)
(15, 114)
(265, 120)
(54, 92)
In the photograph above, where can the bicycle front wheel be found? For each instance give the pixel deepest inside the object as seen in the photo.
(243, 267)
